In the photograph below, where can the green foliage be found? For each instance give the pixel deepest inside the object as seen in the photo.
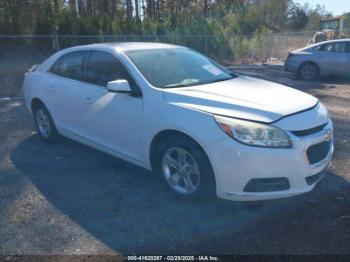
(44, 25)
(151, 26)
(158, 17)
(67, 23)
(297, 18)
(314, 17)
(220, 28)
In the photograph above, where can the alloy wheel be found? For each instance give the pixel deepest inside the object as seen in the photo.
(181, 170)
(308, 71)
(43, 123)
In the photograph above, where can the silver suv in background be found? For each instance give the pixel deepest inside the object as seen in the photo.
(322, 59)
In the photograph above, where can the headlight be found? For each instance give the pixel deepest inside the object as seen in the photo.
(254, 134)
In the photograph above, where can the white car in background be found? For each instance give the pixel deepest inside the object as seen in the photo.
(174, 111)
(329, 58)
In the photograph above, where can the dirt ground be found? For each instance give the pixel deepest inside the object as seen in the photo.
(71, 199)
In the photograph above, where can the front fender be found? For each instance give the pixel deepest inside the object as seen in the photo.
(198, 125)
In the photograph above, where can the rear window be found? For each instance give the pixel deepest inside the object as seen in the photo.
(70, 65)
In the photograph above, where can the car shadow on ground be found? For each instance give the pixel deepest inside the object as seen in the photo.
(345, 80)
(130, 210)
(323, 82)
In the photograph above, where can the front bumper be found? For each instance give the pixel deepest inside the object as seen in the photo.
(291, 67)
(235, 165)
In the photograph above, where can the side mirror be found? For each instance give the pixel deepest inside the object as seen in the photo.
(119, 86)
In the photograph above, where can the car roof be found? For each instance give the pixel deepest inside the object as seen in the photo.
(322, 43)
(124, 46)
(332, 41)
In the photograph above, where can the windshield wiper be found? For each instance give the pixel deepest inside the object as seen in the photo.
(199, 83)
(219, 80)
(181, 85)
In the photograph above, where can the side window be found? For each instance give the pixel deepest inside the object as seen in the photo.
(348, 47)
(334, 47)
(327, 48)
(55, 67)
(70, 65)
(339, 47)
(318, 48)
(103, 67)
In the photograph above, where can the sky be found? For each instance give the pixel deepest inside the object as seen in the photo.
(337, 7)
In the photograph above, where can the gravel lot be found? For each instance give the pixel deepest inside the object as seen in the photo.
(71, 199)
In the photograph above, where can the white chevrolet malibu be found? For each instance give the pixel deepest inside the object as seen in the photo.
(172, 110)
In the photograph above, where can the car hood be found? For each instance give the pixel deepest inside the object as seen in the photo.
(243, 97)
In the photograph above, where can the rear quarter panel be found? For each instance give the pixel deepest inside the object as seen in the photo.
(34, 86)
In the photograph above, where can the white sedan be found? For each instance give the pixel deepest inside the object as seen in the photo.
(172, 110)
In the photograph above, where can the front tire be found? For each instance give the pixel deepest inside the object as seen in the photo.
(185, 168)
(45, 125)
(309, 71)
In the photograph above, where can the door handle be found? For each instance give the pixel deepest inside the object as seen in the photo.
(88, 99)
(50, 88)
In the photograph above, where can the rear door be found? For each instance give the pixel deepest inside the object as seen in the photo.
(333, 58)
(347, 54)
(66, 93)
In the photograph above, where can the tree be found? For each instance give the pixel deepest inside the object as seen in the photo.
(137, 10)
(128, 10)
(273, 13)
(314, 17)
(297, 18)
(158, 16)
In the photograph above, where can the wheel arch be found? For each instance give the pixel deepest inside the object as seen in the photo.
(35, 103)
(164, 135)
(175, 134)
(309, 62)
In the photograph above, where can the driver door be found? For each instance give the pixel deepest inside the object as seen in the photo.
(111, 120)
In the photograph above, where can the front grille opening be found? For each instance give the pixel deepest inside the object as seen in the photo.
(310, 131)
(318, 152)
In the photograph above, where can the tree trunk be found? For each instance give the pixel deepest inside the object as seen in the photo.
(205, 10)
(56, 7)
(88, 7)
(73, 5)
(128, 10)
(137, 10)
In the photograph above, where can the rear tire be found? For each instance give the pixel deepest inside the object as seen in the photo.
(45, 125)
(309, 71)
(185, 169)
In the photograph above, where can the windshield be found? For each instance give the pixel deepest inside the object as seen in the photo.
(177, 67)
